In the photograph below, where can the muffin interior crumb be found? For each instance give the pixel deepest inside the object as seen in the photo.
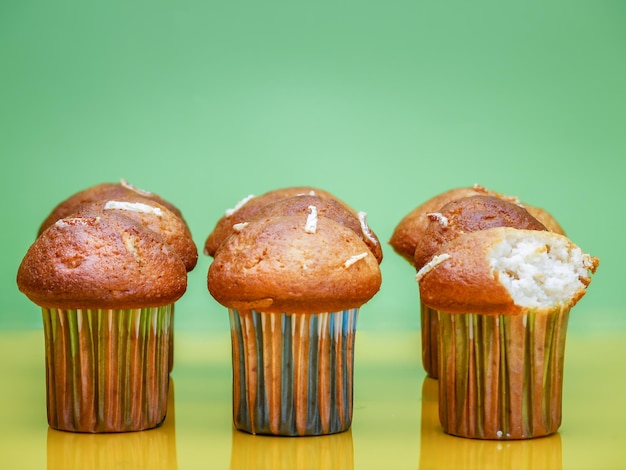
(539, 271)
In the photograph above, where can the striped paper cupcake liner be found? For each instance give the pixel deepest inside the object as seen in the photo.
(292, 373)
(501, 376)
(107, 370)
(429, 326)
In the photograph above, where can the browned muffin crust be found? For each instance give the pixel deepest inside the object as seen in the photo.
(325, 207)
(100, 192)
(247, 208)
(101, 260)
(154, 216)
(545, 218)
(469, 214)
(286, 264)
(411, 227)
(461, 277)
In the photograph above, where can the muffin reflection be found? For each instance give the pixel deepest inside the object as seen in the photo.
(442, 451)
(153, 449)
(271, 452)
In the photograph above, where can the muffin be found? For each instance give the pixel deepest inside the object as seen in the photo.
(412, 230)
(503, 296)
(145, 207)
(293, 286)
(249, 206)
(106, 286)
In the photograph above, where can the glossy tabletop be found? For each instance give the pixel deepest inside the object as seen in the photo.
(395, 423)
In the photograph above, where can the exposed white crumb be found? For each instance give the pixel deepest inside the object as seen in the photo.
(353, 259)
(311, 220)
(240, 226)
(239, 205)
(133, 207)
(540, 272)
(74, 221)
(437, 259)
(365, 228)
(438, 217)
(127, 185)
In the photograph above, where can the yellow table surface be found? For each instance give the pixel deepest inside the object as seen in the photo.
(395, 423)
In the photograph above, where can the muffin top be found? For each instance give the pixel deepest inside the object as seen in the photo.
(469, 214)
(101, 192)
(505, 270)
(154, 216)
(248, 207)
(101, 260)
(294, 264)
(324, 207)
(411, 227)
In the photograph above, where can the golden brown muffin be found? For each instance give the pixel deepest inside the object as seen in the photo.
(154, 216)
(106, 286)
(503, 297)
(469, 214)
(102, 192)
(101, 260)
(293, 286)
(248, 207)
(294, 264)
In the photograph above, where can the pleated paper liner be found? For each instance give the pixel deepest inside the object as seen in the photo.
(257, 452)
(501, 376)
(443, 451)
(292, 373)
(429, 326)
(107, 370)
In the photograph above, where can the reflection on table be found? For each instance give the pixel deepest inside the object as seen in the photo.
(442, 451)
(270, 452)
(154, 449)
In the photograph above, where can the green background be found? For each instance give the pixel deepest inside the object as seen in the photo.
(384, 104)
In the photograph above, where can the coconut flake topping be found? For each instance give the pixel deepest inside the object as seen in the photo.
(353, 259)
(239, 227)
(365, 228)
(311, 220)
(133, 207)
(76, 221)
(437, 259)
(438, 217)
(127, 185)
(239, 205)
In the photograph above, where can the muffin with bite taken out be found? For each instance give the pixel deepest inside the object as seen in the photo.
(503, 296)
